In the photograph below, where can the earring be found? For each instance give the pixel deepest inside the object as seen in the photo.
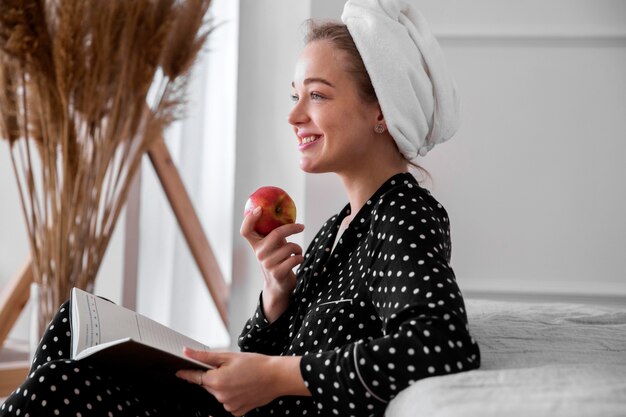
(379, 128)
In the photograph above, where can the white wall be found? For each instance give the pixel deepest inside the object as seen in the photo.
(533, 181)
(13, 240)
(170, 287)
(535, 192)
(266, 149)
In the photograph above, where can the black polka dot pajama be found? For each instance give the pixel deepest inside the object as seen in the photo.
(370, 315)
(376, 313)
(58, 386)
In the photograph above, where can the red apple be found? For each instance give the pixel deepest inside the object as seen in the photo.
(278, 208)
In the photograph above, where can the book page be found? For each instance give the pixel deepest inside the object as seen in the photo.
(96, 322)
(156, 335)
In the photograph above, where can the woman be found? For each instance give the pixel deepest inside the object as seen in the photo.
(374, 305)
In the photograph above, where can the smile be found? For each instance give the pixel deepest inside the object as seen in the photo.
(309, 139)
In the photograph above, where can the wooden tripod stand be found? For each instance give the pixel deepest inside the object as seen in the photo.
(15, 295)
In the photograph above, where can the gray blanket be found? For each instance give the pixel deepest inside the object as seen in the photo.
(537, 360)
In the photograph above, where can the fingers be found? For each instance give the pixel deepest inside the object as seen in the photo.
(201, 378)
(247, 225)
(237, 381)
(276, 255)
(272, 256)
(209, 379)
(285, 267)
(267, 246)
(204, 378)
(286, 230)
(214, 359)
(278, 234)
(281, 271)
(278, 264)
(192, 376)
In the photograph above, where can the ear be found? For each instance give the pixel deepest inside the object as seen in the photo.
(380, 119)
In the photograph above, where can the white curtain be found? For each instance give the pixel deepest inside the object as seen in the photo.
(170, 287)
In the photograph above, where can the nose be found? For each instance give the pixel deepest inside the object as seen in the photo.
(298, 114)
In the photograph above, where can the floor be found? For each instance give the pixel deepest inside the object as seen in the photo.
(13, 353)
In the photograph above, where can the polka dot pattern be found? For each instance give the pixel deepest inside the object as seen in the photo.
(376, 313)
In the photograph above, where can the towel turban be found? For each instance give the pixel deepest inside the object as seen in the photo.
(416, 93)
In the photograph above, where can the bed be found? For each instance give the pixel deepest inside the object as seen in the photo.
(549, 359)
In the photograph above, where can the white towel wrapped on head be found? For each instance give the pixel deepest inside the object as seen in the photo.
(416, 93)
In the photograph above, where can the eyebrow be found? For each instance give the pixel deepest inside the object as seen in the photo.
(314, 80)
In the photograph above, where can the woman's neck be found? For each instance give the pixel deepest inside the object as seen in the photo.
(381, 161)
(361, 186)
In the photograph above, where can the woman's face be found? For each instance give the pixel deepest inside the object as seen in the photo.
(333, 124)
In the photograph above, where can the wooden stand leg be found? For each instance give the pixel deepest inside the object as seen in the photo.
(13, 300)
(190, 226)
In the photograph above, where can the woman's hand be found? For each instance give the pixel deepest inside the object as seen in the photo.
(244, 381)
(277, 257)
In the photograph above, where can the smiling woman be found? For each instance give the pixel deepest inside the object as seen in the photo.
(374, 305)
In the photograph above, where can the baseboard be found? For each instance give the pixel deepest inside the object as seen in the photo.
(544, 297)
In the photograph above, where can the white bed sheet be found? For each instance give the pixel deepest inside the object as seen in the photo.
(537, 360)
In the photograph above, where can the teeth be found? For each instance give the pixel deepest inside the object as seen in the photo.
(309, 139)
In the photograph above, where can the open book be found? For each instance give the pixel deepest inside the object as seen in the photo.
(106, 334)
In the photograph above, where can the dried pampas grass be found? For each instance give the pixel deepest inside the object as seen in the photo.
(85, 89)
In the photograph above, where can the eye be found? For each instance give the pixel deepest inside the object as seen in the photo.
(294, 98)
(316, 96)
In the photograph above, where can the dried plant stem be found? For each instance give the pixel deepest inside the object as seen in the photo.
(79, 110)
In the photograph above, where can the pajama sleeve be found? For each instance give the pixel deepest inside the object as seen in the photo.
(414, 292)
(261, 336)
